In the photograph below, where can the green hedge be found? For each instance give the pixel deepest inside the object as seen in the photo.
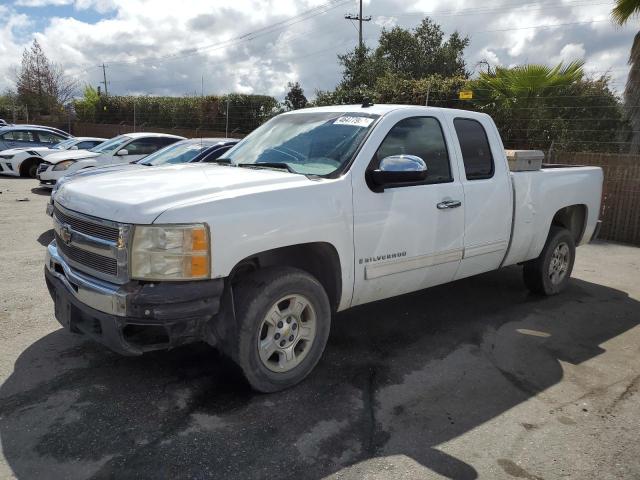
(246, 112)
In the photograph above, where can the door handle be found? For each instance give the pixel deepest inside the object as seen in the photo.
(449, 204)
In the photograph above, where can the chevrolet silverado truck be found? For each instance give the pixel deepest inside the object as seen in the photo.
(316, 211)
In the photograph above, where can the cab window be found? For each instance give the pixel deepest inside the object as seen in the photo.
(422, 137)
(476, 152)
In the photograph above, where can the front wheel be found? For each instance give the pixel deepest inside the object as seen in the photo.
(549, 273)
(284, 318)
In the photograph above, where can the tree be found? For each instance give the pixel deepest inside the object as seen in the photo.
(87, 107)
(621, 13)
(536, 106)
(411, 54)
(41, 85)
(295, 98)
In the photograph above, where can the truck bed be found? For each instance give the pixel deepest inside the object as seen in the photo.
(540, 194)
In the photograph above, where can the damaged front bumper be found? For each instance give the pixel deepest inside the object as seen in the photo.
(135, 317)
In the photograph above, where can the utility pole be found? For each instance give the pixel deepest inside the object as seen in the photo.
(226, 128)
(360, 19)
(104, 75)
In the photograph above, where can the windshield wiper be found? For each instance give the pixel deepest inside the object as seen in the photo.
(221, 161)
(280, 165)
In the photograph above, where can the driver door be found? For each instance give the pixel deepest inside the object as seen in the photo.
(405, 238)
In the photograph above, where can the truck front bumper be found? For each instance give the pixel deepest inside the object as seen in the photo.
(135, 317)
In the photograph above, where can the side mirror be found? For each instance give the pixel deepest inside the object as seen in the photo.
(398, 170)
(122, 153)
(75, 147)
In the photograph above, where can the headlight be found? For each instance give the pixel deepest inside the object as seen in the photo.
(64, 165)
(6, 157)
(171, 252)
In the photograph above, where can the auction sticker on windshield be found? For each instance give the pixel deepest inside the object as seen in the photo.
(354, 121)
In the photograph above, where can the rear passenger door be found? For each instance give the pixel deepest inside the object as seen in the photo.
(487, 195)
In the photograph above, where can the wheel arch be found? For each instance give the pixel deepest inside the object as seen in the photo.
(319, 259)
(574, 219)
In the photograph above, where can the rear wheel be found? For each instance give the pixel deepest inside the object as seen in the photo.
(284, 319)
(549, 273)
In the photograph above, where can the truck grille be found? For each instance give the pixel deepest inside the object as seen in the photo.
(100, 263)
(89, 228)
(92, 245)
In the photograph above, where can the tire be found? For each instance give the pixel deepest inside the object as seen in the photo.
(299, 316)
(549, 273)
(29, 168)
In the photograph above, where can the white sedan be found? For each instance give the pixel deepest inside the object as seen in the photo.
(121, 149)
(24, 161)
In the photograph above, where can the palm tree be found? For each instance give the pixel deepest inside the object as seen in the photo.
(622, 12)
(518, 98)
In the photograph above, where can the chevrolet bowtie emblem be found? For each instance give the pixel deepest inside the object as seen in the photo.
(65, 234)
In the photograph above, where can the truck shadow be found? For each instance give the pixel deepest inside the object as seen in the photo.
(399, 377)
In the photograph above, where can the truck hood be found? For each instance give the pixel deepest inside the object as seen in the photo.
(140, 195)
(58, 157)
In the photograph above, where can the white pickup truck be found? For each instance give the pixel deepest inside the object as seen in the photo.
(316, 211)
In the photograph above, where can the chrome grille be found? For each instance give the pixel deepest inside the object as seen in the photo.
(92, 245)
(100, 263)
(89, 228)
(43, 166)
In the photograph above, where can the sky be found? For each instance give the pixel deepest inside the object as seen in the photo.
(177, 47)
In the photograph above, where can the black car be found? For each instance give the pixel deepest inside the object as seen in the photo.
(190, 151)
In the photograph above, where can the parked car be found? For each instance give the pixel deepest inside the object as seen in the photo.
(184, 151)
(318, 210)
(24, 136)
(62, 133)
(24, 161)
(3, 123)
(121, 149)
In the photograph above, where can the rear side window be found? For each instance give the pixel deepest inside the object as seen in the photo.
(422, 137)
(19, 136)
(476, 153)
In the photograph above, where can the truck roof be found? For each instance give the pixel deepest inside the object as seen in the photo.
(381, 109)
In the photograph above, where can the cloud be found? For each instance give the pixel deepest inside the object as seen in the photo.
(166, 47)
(570, 52)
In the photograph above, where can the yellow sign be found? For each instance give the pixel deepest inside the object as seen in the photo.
(466, 95)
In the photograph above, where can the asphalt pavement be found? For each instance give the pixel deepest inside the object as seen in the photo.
(474, 379)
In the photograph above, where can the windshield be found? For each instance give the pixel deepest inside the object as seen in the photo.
(65, 144)
(181, 152)
(316, 143)
(111, 145)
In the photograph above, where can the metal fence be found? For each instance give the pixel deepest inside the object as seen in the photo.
(620, 212)
(106, 130)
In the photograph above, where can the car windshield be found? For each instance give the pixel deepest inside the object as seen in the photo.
(316, 143)
(65, 144)
(180, 152)
(111, 145)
